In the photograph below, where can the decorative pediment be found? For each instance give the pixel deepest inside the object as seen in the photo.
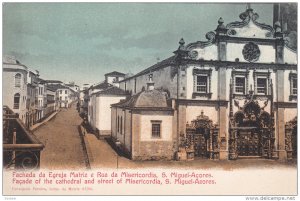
(249, 27)
(210, 36)
(202, 121)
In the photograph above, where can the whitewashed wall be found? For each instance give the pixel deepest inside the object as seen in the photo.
(146, 127)
(103, 109)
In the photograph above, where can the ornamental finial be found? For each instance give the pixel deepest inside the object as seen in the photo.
(181, 42)
(220, 21)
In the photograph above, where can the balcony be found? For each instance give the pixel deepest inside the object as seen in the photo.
(21, 149)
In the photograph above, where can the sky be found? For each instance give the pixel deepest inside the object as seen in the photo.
(81, 42)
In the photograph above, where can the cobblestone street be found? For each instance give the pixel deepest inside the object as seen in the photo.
(63, 149)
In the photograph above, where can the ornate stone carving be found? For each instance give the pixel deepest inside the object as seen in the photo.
(251, 52)
(193, 54)
(246, 17)
(210, 36)
(291, 138)
(202, 137)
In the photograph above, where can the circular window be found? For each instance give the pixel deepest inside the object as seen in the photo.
(251, 52)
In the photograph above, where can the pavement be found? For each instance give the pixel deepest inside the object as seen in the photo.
(38, 125)
(63, 148)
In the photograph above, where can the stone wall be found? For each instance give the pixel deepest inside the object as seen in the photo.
(156, 150)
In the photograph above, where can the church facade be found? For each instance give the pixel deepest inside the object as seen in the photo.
(232, 96)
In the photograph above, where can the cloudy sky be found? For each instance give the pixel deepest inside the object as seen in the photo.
(82, 41)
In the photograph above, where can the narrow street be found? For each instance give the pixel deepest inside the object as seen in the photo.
(63, 149)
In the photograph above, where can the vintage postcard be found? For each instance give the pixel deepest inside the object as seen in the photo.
(150, 99)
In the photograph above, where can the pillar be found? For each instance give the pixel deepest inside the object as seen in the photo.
(221, 34)
(280, 122)
(222, 90)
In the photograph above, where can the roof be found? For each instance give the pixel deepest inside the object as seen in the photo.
(167, 62)
(113, 90)
(115, 73)
(51, 88)
(40, 80)
(8, 59)
(153, 99)
(102, 85)
(57, 86)
(53, 81)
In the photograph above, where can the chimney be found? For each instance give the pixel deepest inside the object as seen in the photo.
(150, 83)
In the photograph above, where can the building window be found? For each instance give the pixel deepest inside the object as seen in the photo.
(18, 80)
(16, 101)
(240, 84)
(262, 82)
(66, 92)
(202, 82)
(156, 129)
(60, 91)
(294, 86)
(66, 98)
(201, 85)
(261, 86)
(60, 98)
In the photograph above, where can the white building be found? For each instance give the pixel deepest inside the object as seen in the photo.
(41, 100)
(101, 96)
(15, 86)
(50, 101)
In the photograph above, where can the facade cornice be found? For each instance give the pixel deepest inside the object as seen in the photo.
(203, 102)
(260, 41)
(241, 65)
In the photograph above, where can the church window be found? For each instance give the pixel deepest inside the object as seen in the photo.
(201, 85)
(240, 85)
(261, 86)
(202, 82)
(262, 82)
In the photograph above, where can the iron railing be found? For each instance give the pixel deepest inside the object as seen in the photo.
(21, 148)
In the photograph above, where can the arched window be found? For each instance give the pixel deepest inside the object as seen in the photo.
(16, 101)
(18, 80)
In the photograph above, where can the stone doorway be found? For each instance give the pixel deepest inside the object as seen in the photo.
(202, 137)
(251, 132)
